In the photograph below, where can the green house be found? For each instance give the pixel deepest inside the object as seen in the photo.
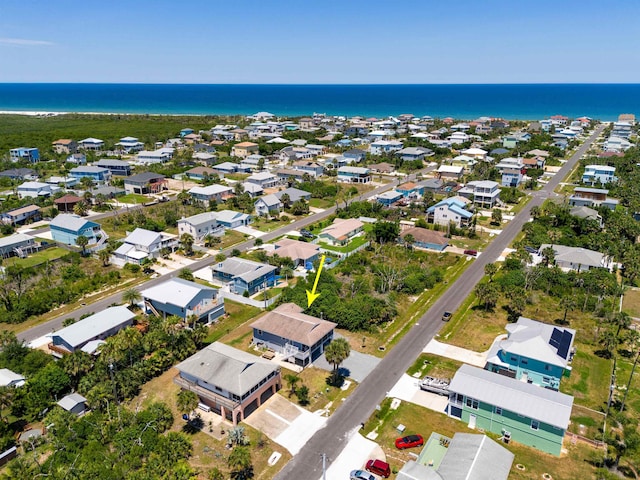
(516, 410)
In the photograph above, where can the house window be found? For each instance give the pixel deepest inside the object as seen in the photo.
(498, 410)
(524, 361)
(513, 359)
(547, 368)
(535, 425)
(472, 403)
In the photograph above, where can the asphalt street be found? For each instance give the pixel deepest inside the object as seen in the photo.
(332, 439)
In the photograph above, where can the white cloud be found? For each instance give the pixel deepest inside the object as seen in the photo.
(24, 42)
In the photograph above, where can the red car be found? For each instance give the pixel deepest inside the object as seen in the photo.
(409, 441)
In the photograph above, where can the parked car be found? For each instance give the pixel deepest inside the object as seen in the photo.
(361, 475)
(446, 316)
(531, 250)
(379, 468)
(473, 253)
(306, 233)
(409, 441)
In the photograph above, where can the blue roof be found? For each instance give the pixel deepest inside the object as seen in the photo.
(455, 205)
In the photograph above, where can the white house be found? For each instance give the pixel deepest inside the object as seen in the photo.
(143, 244)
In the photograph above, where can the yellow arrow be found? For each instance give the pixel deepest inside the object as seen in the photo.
(312, 295)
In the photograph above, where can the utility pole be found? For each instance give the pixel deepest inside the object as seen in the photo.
(324, 466)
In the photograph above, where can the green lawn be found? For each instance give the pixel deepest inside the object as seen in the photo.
(237, 314)
(350, 247)
(321, 203)
(133, 198)
(37, 258)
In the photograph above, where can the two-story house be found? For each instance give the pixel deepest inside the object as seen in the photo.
(143, 244)
(354, 174)
(215, 193)
(483, 193)
(512, 170)
(592, 197)
(130, 144)
(95, 173)
(533, 352)
(146, 182)
(200, 226)
(36, 189)
(66, 228)
(244, 149)
(599, 174)
(91, 144)
(380, 147)
(312, 168)
(31, 155)
(64, 145)
(452, 210)
(116, 167)
(244, 275)
(264, 179)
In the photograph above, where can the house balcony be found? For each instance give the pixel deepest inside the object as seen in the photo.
(205, 307)
(206, 394)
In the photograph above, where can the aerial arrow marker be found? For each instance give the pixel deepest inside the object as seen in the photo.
(312, 295)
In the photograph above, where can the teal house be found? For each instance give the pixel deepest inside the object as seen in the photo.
(66, 228)
(533, 352)
(516, 410)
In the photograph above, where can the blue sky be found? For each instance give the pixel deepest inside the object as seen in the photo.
(310, 41)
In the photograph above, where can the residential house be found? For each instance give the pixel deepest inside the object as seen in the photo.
(66, 228)
(383, 167)
(511, 170)
(190, 301)
(96, 174)
(200, 173)
(22, 215)
(433, 185)
(587, 214)
(425, 238)
(533, 162)
(354, 175)
(380, 147)
(268, 205)
(483, 193)
(231, 219)
(130, 144)
(146, 182)
(576, 258)
(306, 123)
(20, 174)
(107, 191)
(354, 155)
(253, 189)
(244, 149)
(252, 163)
(67, 203)
(211, 193)
(162, 155)
(185, 131)
(204, 158)
(18, 244)
(533, 352)
(91, 144)
(225, 167)
(64, 182)
(301, 253)
(599, 174)
(286, 175)
(475, 153)
(341, 231)
(192, 138)
(312, 168)
(616, 144)
(466, 456)
(9, 378)
(622, 130)
(244, 275)
(200, 226)
(512, 140)
(142, 244)
(457, 138)
(98, 326)
(77, 159)
(228, 381)
(450, 210)
(264, 179)
(450, 172)
(389, 198)
(592, 197)
(410, 190)
(409, 154)
(116, 167)
(73, 403)
(64, 145)
(36, 189)
(31, 155)
(294, 195)
(516, 410)
(299, 338)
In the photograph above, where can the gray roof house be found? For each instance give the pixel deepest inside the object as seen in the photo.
(9, 378)
(244, 275)
(577, 258)
(268, 205)
(19, 244)
(295, 194)
(98, 326)
(231, 382)
(74, 403)
(141, 244)
(146, 182)
(467, 456)
(264, 179)
(200, 226)
(184, 299)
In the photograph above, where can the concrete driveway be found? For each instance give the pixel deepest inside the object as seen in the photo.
(357, 366)
(250, 231)
(456, 353)
(407, 389)
(286, 423)
(354, 456)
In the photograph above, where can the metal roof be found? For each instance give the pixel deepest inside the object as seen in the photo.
(528, 400)
(246, 270)
(475, 457)
(71, 222)
(97, 324)
(175, 291)
(140, 236)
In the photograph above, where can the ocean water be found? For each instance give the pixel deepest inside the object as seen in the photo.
(534, 101)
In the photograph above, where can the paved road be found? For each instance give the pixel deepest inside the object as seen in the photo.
(52, 325)
(332, 439)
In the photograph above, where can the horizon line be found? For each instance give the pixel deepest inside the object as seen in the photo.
(324, 84)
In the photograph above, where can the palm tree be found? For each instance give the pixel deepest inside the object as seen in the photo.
(567, 303)
(409, 240)
(286, 200)
(336, 353)
(80, 208)
(490, 269)
(187, 243)
(104, 257)
(291, 380)
(82, 241)
(287, 272)
(76, 365)
(187, 401)
(132, 296)
(129, 339)
(184, 197)
(239, 462)
(621, 320)
(6, 399)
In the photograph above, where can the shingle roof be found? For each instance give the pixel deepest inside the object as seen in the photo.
(576, 255)
(14, 239)
(199, 219)
(342, 227)
(289, 322)
(246, 270)
(228, 368)
(143, 177)
(528, 400)
(424, 235)
(210, 190)
(295, 249)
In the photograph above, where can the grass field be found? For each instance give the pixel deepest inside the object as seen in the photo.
(37, 258)
(134, 198)
(631, 302)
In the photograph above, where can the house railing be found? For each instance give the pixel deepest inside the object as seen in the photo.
(219, 400)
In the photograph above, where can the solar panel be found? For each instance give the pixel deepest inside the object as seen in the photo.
(565, 343)
(556, 337)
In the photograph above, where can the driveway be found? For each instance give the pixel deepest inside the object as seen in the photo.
(354, 456)
(407, 389)
(357, 366)
(250, 231)
(286, 423)
(456, 353)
